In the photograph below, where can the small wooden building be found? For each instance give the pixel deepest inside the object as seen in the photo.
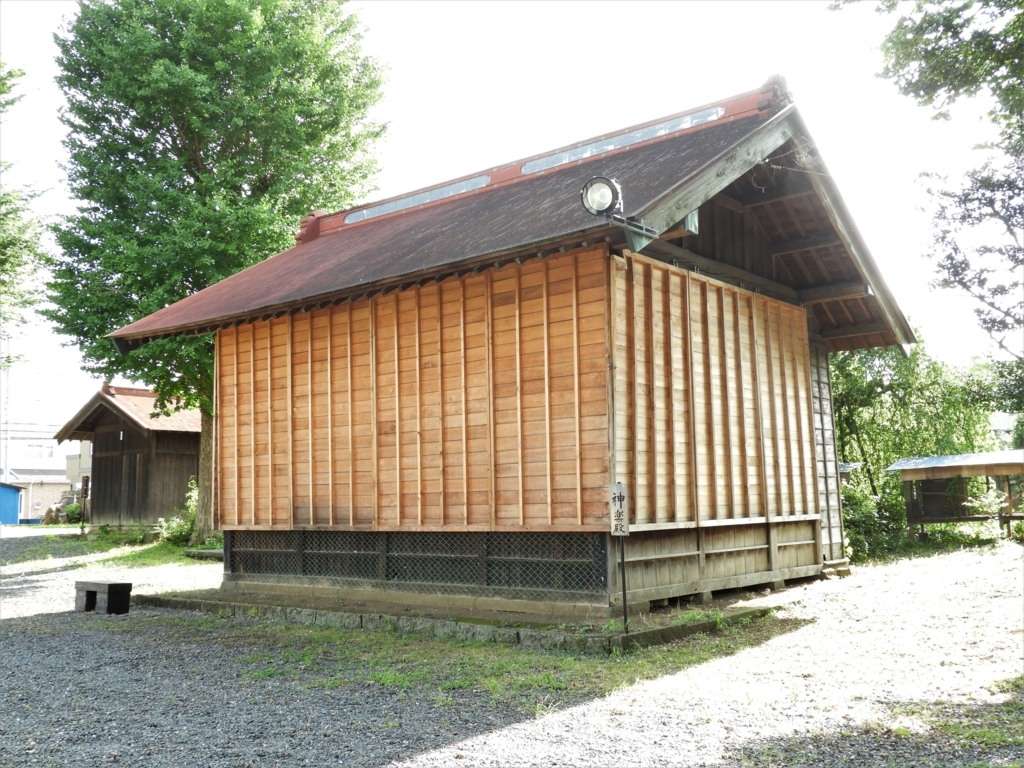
(434, 394)
(935, 487)
(141, 463)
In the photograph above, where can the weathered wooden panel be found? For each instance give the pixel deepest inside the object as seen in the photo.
(712, 399)
(476, 403)
(168, 481)
(121, 467)
(826, 465)
(669, 563)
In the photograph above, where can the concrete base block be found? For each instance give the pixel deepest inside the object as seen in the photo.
(702, 598)
(103, 596)
(778, 584)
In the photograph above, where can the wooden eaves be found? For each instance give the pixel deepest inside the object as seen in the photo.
(663, 214)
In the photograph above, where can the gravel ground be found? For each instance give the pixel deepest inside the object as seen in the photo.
(79, 691)
(882, 642)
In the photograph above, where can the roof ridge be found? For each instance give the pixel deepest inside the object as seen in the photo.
(733, 107)
(113, 391)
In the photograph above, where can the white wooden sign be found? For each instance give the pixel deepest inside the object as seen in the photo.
(619, 510)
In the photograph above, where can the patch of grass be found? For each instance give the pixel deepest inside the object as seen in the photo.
(263, 674)
(63, 546)
(991, 725)
(147, 555)
(331, 658)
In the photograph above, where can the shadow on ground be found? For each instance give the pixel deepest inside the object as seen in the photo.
(934, 734)
(159, 687)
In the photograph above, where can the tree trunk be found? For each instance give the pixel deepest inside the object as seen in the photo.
(867, 466)
(204, 509)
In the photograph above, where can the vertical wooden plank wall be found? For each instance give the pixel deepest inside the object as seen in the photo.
(714, 421)
(476, 403)
(832, 536)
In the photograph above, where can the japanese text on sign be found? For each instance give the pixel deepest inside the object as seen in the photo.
(619, 510)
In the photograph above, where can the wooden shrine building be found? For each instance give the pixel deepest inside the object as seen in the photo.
(433, 394)
(935, 488)
(141, 463)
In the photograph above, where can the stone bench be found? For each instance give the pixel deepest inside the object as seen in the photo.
(102, 596)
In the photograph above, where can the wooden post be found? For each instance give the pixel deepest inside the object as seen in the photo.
(737, 340)
(611, 308)
(652, 402)
(398, 424)
(709, 399)
(785, 417)
(576, 384)
(252, 410)
(519, 390)
(351, 420)
(330, 411)
(465, 445)
(238, 411)
(419, 417)
(726, 394)
(773, 552)
(547, 386)
(908, 499)
(217, 491)
(440, 395)
(694, 485)
(1008, 504)
(670, 404)
(291, 430)
(374, 447)
(270, 418)
(309, 410)
(771, 396)
(489, 352)
(631, 346)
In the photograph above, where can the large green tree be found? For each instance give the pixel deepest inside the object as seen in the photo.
(942, 51)
(199, 133)
(889, 405)
(19, 235)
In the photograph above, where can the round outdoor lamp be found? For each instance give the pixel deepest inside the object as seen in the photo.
(601, 196)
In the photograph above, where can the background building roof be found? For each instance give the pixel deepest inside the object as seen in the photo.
(135, 405)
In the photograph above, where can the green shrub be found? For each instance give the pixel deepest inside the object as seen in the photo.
(216, 541)
(74, 512)
(876, 526)
(178, 530)
(876, 529)
(1017, 532)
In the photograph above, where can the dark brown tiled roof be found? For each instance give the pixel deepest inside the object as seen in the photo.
(496, 219)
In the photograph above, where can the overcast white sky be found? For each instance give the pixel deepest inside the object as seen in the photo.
(474, 85)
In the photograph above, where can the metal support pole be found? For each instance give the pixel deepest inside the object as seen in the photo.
(625, 607)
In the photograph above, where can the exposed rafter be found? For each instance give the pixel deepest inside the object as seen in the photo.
(788, 189)
(806, 244)
(834, 292)
(856, 330)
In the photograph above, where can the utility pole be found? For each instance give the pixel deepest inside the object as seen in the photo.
(5, 403)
